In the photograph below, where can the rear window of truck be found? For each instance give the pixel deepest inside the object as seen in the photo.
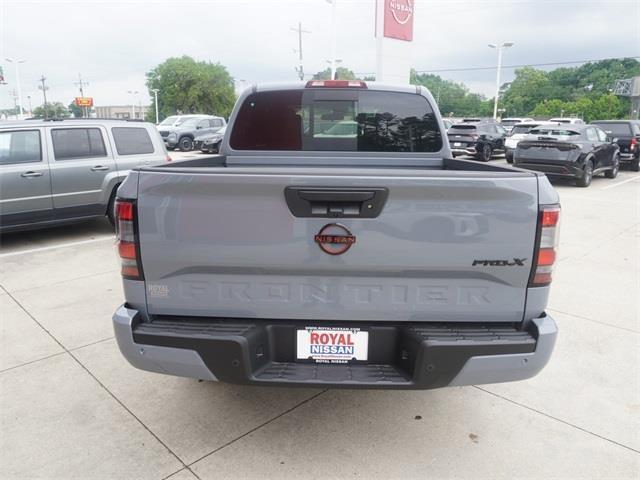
(336, 120)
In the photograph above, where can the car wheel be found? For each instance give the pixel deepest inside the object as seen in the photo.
(613, 173)
(508, 157)
(185, 144)
(485, 154)
(587, 175)
(635, 165)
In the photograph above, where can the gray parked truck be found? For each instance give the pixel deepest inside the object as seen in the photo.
(59, 171)
(310, 255)
(179, 131)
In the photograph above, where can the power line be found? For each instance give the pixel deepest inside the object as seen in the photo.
(549, 64)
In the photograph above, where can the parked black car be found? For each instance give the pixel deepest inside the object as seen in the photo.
(210, 143)
(480, 139)
(571, 151)
(626, 134)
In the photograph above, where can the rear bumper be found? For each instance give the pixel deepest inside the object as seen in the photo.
(558, 169)
(401, 355)
(464, 151)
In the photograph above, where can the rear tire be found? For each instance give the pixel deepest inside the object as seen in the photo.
(587, 175)
(485, 154)
(613, 173)
(635, 165)
(508, 157)
(185, 144)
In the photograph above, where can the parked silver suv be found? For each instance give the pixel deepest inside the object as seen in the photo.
(180, 130)
(65, 170)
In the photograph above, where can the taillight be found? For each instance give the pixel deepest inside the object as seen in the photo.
(168, 158)
(337, 83)
(475, 136)
(128, 242)
(546, 245)
(634, 142)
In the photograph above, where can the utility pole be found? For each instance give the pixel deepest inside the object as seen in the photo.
(300, 31)
(81, 86)
(44, 89)
(30, 107)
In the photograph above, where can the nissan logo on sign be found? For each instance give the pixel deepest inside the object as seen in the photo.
(398, 19)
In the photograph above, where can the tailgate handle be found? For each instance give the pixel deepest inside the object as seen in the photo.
(309, 202)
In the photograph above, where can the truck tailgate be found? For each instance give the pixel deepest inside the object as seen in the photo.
(224, 243)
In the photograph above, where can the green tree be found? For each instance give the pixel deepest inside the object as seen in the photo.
(342, 73)
(529, 88)
(75, 110)
(452, 98)
(549, 108)
(190, 86)
(53, 110)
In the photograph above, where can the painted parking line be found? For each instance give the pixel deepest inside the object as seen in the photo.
(60, 245)
(613, 185)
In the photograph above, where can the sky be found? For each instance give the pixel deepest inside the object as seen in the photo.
(112, 44)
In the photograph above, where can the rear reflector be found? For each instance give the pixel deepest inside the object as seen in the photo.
(546, 245)
(336, 83)
(128, 240)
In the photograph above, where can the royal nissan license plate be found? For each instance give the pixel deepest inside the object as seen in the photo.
(332, 345)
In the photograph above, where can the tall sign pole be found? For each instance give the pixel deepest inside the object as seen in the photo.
(394, 37)
(81, 84)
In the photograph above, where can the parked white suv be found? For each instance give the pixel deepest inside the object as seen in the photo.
(571, 120)
(518, 132)
(58, 171)
(508, 123)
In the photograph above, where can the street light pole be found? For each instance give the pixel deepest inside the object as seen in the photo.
(16, 63)
(500, 48)
(133, 94)
(155, 94)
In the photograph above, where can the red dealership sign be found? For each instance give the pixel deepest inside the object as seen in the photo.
(84, 101)
(398, 19)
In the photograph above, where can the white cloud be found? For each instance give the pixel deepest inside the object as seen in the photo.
(113, 43)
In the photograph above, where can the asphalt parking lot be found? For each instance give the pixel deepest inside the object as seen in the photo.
(72, 407)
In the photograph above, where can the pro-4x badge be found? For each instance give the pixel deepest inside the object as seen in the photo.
(500, 263)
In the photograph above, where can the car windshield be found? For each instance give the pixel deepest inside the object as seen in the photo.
(169, 120)
(614, 129)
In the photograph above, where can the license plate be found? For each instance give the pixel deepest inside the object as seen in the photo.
(332, 345)
(457, 144)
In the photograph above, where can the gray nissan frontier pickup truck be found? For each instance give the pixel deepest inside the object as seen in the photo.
(334, 242)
